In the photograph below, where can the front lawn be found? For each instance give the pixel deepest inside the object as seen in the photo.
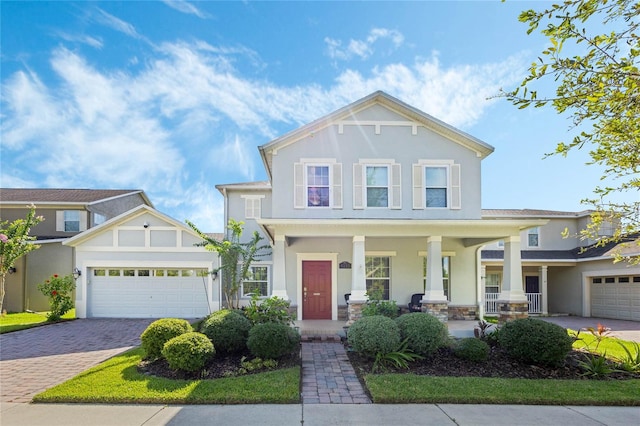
(413, 389)
(117, 380)
(24, 320)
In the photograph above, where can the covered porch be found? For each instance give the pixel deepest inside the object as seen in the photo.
(328, 329)
(339, 242)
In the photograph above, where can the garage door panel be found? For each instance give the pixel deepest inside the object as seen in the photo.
(618, 299)
(147, 296)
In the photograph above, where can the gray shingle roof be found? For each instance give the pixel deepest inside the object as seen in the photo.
(39, 195)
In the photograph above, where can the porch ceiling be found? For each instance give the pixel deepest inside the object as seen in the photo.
(471, 232)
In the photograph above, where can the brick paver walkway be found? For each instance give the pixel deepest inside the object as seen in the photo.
(328, 377)
(38, 358)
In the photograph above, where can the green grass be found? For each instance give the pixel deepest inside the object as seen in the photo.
(412, 389)
(24, 320)
(608, 345)
(118, 381)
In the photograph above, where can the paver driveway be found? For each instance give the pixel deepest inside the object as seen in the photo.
(38, 358)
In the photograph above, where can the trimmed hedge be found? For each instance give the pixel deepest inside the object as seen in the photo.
(424, 332)
(160, 332)
(472, 349)
(272, 340)
(372, 335)
(227, 329)
(188, 351)
(535, 341)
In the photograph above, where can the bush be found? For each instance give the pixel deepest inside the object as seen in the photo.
(472, 349)
(59, 292)
(372, 335)
(160, 332)
(188, 351)
(387, 308)
(424, 332)
(535, 341)
(272, 309)
(272, 340)
(227, 329)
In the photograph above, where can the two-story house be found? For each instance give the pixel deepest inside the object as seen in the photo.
(67, 213)
(378, 193)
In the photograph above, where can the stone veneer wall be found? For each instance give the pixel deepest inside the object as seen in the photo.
(468, 313)
(343, 313)
(439, 310)
(510, 311)
(354, 311)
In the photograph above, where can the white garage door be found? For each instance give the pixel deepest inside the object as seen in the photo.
(147, 293)
(616, 297)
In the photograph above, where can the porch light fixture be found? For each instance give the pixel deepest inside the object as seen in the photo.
(12, 270)
(76, 273)
(214, 275)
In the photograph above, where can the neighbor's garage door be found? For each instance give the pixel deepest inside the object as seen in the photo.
(147, 293)
(616, 297)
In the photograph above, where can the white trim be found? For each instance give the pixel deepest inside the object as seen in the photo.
(333, 257)
(423, 253)
(313, 161)
(424, 162)
(380, 253)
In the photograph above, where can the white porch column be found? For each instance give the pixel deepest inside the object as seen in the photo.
(543, 290)
(512, 288)
(358, 272)
(434, 291)
(483, 292)
(279, 268)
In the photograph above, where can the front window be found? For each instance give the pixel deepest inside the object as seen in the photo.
(377, 178)
(318, 186)
(71, 221)
(533, 237)
(378, 273)
(435, 179)
(492, 283)
(257, 282)
(446, 271)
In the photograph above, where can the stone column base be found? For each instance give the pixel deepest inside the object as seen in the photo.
(439, 309)
(354, 310)
(509, 311)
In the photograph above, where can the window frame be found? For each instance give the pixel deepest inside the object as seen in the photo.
(446, 188)
(530, 234)
(387, 278)
(366, 186)
(67, 220)
(267, 281)
(327, 186)
(252, 206)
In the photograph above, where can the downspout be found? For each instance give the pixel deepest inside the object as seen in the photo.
(479, 278)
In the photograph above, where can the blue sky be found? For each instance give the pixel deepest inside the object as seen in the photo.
(174, 97)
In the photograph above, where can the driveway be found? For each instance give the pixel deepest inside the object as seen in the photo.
(38, 358)
(625, 330)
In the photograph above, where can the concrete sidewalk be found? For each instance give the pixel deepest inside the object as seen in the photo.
(12, 414)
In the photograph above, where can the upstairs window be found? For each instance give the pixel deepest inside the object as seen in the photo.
(318, 194)
(533, 237)
(252, 206)
(436, 185)
(377, 181)
(317, 184)
(71, 220)
(376, 184)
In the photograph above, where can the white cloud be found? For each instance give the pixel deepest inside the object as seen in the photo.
(116, 24)
(176, 137)
(81, 38)
(185, 7)
(362, 48)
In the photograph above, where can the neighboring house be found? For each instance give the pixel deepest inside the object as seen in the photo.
(143, 264)
(377, 192)
(565, 275)
(67, 213)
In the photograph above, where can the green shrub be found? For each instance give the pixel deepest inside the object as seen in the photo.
(272, 309)
(535, 341)
(160, 332)
(188, 351)
(377, 305)
(227, 329)
(272, 340)
(59, 292)
(372, 335)
(424, 332)
(471, 349)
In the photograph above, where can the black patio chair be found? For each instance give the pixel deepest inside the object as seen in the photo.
(415, 305)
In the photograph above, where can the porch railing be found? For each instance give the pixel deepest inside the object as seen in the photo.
(534, 300)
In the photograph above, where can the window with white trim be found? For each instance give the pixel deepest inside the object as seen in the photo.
(257, 282)
(492, 282)
(378, 273)
(252, 206)
(99, 219)
(533, 237)
(71, 220)
(377, 185)
(317, 185)
(436, 185)
(446, 275)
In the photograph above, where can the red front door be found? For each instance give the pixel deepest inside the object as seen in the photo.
(316, 289)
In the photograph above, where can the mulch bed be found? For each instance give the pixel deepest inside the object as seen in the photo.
(499, 365)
